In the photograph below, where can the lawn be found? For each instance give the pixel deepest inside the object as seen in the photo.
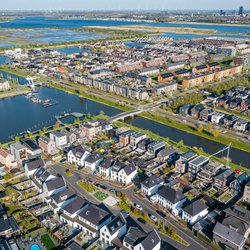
(225, 197)
(47, 242)
(87, 186)
(100, 195)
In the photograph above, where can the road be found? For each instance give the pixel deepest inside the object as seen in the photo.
(194, 243)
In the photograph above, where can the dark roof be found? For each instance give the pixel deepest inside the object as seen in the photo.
(171, 194)
(134, 235)
(63, 195)
(74, 246)
(129, 169)
(107, 163)
(151, 240)
(152, 181)
(35, 164)
(31, 145)
(95, 215)
(94, 157)
(195, 208)
(55, 183)
(78, 151)
(115, 225)
(224, 175)
(75, 205)
(229, 234)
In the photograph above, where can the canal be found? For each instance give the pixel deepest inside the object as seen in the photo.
(19, 114)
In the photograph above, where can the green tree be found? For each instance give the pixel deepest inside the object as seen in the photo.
(216, 133)
(200, 129)
(209, 127)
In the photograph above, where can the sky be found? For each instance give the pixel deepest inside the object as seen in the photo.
(121, 4)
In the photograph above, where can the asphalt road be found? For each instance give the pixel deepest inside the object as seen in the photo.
(194, 243)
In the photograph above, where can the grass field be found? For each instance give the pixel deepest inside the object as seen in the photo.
(47, 242)
(100, 196)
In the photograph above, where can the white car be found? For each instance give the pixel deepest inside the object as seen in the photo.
(153, 218)
(153, 198)
(139, 207)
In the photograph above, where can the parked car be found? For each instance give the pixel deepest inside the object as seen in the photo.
(139, 207)
(125, 212)
(153, 198)
(161, 213)
(142, 220)
(112, 190)
(153, 218)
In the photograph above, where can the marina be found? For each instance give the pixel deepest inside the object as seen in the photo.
(43, 102)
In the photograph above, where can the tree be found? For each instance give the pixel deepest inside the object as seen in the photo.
(17, 139)
(216, 133)
(209, 127)
(200, 129)
(102, 112)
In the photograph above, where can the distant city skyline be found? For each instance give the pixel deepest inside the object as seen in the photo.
(122, 5)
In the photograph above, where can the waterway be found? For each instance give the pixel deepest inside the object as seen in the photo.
(19, 114)
(42, 22)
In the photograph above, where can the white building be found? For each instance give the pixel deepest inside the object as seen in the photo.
(217, 118)
(151, 185)
(59, 138)
(32, 166)
(92, 161)
(127, 174)
(77, 156)
(170, 198)
(194, 212)
(54, 186)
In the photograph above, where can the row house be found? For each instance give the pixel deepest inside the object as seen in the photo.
(170, 198)
(149, 71)
(54, 186)
(32, 166)
(143, 144)
(19, 151)
(181, 165)
(151, 185)
(175, 66)
(124, 138)
(91, 129)
(59, 138)
(47, 145)
(7, 159)
(155, 147)
(136, 137)
(194, 212)
(105, 167)
(196, 110)
(195, 165)
(78, 156)
(241, 125)
(93, 161)
(222, 181)
(166, 77)
(165, 89)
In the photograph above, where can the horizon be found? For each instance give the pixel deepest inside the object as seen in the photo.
(119, 5)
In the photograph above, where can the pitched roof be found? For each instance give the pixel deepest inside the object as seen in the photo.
(152, 181)
(151, 240)
(171, 194)
(63, 195)
(115, 225)
(55, 183)
(75, 205)
(94, 157)
(35, 164)
(94, 214)
(134, 235)
(195, 208)
(107, 163)
(129, 169)
(228, 234)
(78, 151)
(4, 153)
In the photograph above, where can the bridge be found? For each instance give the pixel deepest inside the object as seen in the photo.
(31, 82)
(132, 113)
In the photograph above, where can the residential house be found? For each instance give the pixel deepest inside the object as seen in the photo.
(33, 150)
(236, 187)
(136, 137)
(206, 114)
(223, 180)
(72, 209)
(170, 198)
(32, 166)
(124, 138)
(166, 77)
(234, 229)
(47, 145)
(92, 161)
(61, 199)
(135, 239)
(54, 186)
(19, 152)
(59, 139)
(229, 121)
(194, 212)
(114, 174)
(105, 167)
(241, 125)
(113, 232)
(165, 154)
(217, 118)
(155, 147)
(151, 185)
(91, 129)
(181, 165)
(78, 155)
(143, 144)
(92, 219)
(8, 227)
(246, 195)
(7, 159)
(185, 110)
(195, 165)
(195, 111)
(127, 174)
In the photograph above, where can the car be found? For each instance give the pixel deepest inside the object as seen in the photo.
(103, 187)
(153, 218)
(125, 212)
(112, 190)
(161, 213)
(62, 160)
(139, 207)
(142, 220)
